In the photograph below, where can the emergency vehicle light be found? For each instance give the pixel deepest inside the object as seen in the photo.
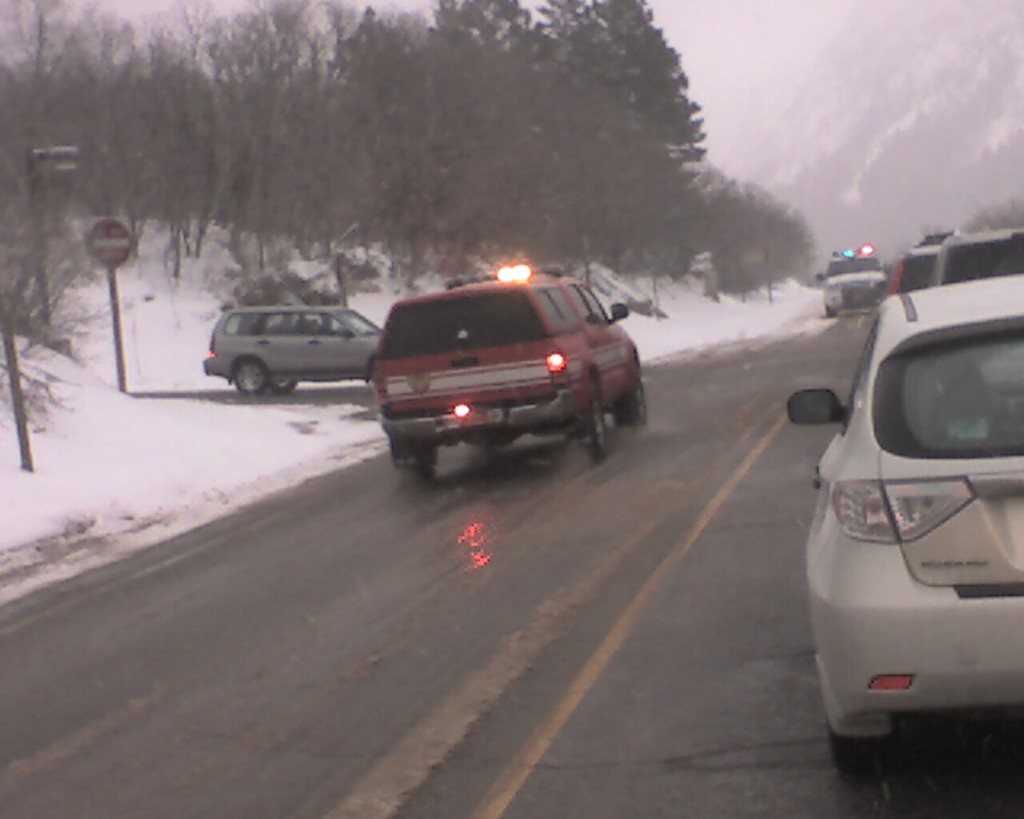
(518, 273)
(866, 249)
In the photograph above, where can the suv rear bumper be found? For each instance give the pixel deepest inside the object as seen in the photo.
(445, 427)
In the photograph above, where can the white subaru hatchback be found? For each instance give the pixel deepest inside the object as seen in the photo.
(915, 557)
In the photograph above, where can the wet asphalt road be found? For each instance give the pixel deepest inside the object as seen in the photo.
(529, 636)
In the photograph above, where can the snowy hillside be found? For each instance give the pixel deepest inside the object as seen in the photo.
(911, 119)
(115, 472)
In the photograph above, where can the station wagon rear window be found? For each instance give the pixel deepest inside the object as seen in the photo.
(959, 399)
(243, 324)
(454, 324)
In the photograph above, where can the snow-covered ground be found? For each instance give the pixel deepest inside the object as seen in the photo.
(115, 472)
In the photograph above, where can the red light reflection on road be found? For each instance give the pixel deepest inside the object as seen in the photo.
(475, 539)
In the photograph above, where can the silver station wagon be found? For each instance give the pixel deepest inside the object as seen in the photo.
(273, 348)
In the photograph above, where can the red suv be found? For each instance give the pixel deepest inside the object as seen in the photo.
(486, 361)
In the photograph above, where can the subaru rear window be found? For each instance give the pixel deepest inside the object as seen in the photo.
(463, 323)
(957, 399)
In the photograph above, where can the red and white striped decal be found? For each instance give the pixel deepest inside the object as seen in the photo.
(441, 383)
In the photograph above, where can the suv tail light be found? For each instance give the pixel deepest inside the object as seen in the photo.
(557, 363)
(897, 510)
(895, 281)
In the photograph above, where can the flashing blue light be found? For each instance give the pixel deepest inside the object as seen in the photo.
(849, 254)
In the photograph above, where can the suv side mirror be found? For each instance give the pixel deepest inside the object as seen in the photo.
(619, 311)
(817, 406)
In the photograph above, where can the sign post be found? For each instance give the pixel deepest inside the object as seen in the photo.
(42, 164)
(14, 376)
(110, 243)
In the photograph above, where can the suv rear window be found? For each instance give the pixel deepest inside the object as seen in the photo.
(452, 324)
(958, 399)
(917, 272)
(983, 260)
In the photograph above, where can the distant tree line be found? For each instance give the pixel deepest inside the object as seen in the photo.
(998, 217)
(567, 137)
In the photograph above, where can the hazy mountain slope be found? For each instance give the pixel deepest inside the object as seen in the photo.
(913, 119)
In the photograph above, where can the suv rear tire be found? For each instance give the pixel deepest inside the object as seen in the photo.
(596, 429)
(419, 456)
(631, 409)
(425, 460)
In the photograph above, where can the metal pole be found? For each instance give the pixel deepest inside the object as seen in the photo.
(339, 275)
(17, 396)
(38, 235)
(41, 164)
(115, 314)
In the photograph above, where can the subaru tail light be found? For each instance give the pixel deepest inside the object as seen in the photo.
(897, 510)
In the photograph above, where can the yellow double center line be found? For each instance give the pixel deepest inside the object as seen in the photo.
(381, 791)
(504, 790)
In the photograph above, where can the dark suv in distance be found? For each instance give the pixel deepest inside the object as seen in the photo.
(273, 348)
(968, 256)
(916, 268)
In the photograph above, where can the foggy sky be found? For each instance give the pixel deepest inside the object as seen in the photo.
(736, 53)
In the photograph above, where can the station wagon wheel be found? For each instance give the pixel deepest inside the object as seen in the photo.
(283, 386)
(251, 377)
(596, 428)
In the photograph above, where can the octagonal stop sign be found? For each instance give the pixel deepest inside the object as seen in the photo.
(110, 242)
